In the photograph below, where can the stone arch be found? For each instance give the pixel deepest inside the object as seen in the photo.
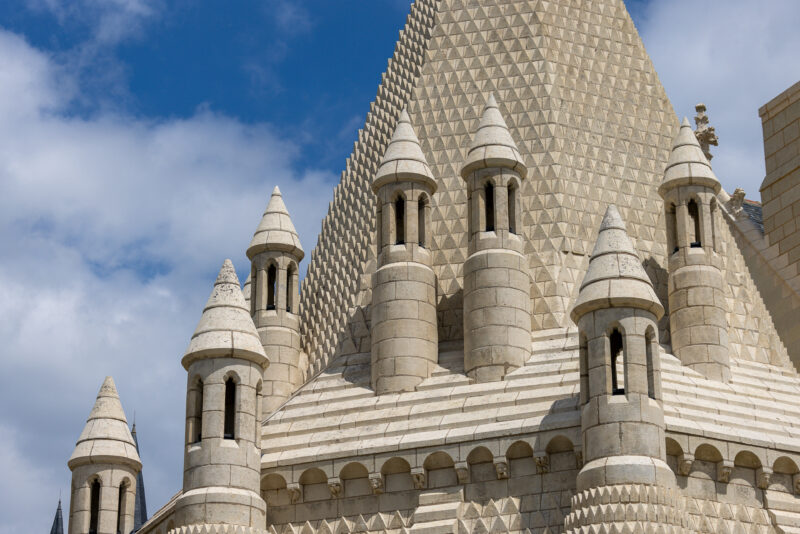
(423, 208)
(313, 475)
(747, 459)
(233, 392)
(694, 225)
(489, 206)
(706, 452)
(355, 480)
(672, 228)
(514, 223)
(440, 470)
(785, 465)
(616, 343)
(520, 459)
(292, 281)
(398, 220)
(396, 473)
(673, 448)
(194, 404)
(481, 466)
(559, 443)
(272, 285)
(315, 484)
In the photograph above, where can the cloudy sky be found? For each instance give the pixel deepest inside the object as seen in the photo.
(139, 141)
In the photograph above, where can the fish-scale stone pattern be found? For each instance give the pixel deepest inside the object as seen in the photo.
(346, 246)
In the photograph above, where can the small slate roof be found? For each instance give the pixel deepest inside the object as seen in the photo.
(753, 210)
(140, 504)
(58, 521)
(492, 145)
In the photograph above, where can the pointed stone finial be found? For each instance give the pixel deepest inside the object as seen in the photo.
(276, 230)
(706, 135)
(687, 165)
(106, 438)
(615, 277)
(493, 145)
(58, 521)
(225, 328)
(404, 160)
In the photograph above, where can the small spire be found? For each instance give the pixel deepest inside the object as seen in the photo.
(58, 520)
(225, 328)
(106, 437)
(687, 165)
(615, 277)
(246, 291)
(493, 145)
(404, 159)
(276, 230)
(140, 503)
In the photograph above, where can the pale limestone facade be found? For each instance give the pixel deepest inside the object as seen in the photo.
(531, 308)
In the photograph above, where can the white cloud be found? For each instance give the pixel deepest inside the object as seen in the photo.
(734, 56)
(113, 228)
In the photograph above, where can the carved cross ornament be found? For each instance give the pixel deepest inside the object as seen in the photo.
(705, 134)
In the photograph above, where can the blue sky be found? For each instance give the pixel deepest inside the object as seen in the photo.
(139, 142)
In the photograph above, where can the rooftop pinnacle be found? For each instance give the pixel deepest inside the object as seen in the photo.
(403, 160)
(687, 165)
(276, 230)
(615, 277)
(106, 438)
(225, 328)
(492, 145)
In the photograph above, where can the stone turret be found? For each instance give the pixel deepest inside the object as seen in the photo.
(104, 466)
(622, 416)
(222, 460)
(697, 310)
(275, 254)
(404, 333)
(497, 304)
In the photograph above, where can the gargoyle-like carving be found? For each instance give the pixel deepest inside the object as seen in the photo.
(418, 476)
(335, 486)
(705, 134)
(501, 467)
(462, 472)
(737, 201)
(724, 472)
(796, 483)
(763, 477)
(294, 491)
(685, 462)
(376, 483)
(542, 460)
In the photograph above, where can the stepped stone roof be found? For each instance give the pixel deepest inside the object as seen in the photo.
(492, 145)
(106, 437)
(615, 276)
(404, 160)
(225, 328)
(687, 165)
(276, 230)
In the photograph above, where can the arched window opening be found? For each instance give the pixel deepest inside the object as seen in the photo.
(195, 433)
(489, 206)
(617, 363)
(651, 377)
(421, 207)
(259, 389)
(400, 221)
(512, 208)
(672, 229)
(230, 409)
(253, 289)
(379, 225)
(272, 280)
(694, 227)
(94, 506)
(584, 369)
(714, 224)
(121, 508)
(291, 291)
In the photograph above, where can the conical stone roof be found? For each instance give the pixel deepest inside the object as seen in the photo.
(106, 437)
(404, 160)
(276, 230)
(225, 328)
(687, 165)
(492, 145)
(615, 277)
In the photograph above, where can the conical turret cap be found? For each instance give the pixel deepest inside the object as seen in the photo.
(615, 277)
(492, 145)
(404, 160)
(276, 231)
(687, 165)
(106, 438)
(58, 521)
(225, 328)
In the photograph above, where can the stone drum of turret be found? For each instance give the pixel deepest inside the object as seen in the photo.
(404, 333)
(697, 309)
(275, 255)
(222, 460)
(497, 304)
(104, 466)
(622, 416)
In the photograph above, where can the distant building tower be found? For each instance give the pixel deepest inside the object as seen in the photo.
(58, 521)
(140, 504)
(222, 462)
(275, 254)
(622, 416)
(404, 334)
(697, 314)
(104, 467)
(497, 303)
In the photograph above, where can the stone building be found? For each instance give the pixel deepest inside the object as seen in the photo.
(532, 308)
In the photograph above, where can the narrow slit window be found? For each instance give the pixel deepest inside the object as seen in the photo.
(290, 287)
(694, 226)
(672, 229)
(230, 409)
(196, 415)
(512, 208)
(121, 508)
(584, 369)
(651, 377)
(400, 221)
(617, 363)
(713, 224)
(421, 220)
(94, 506)
(272, 280)
(489, 206)
(259, 389)
(379, 224)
